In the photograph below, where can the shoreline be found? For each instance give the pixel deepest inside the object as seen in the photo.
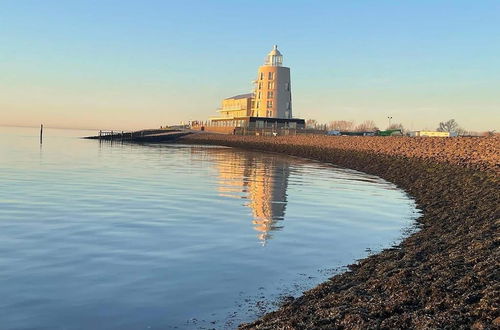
(445, 275)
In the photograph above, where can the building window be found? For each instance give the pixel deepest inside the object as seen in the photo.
(262, 76)
(287, 87)
(258, 95)
(270, 94)
(270, 85)
(271, 76)
(258, 104)
(269, 104)
(288, 105)
(260, 85)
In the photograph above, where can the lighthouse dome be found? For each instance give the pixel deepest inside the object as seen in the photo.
(274, 57)
(275, 51)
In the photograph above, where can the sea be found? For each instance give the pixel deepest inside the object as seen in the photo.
(111, 235)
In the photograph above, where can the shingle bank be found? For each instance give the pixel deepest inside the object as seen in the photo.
(444, 276)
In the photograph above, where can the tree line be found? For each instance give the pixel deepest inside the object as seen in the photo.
(370, 126)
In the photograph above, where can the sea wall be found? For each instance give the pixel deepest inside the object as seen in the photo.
(445, 275)
(215, 129)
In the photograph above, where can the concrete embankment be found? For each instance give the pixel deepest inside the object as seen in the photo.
(444, 276)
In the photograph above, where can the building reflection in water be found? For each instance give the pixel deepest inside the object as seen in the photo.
(260, 179)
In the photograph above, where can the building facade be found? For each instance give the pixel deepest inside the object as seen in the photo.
(430, 134)
(269, 105)
(234, 111)
(273, 96)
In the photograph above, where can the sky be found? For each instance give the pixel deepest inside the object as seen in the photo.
(121, 64)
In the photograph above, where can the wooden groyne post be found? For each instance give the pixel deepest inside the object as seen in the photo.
(41, 133)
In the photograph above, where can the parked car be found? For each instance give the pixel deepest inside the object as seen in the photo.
(334, 132)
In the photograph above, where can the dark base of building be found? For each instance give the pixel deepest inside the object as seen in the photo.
(260, 122)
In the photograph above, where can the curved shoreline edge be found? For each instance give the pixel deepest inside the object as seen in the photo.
(445, 275)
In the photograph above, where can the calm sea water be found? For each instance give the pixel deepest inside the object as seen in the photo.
(123, 236)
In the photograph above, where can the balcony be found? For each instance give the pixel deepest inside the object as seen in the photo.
(232, 108)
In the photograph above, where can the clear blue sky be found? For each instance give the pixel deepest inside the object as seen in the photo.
(134, 64)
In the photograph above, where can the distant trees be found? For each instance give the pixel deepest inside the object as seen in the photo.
(451, 126)
(347, 125)
(311, 123)
(370, 126)
(448, 126)
(366, 126)
(314, 124)
(396, 126)
(489, 133)
(341, 125)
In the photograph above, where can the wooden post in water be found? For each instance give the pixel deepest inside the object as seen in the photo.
(41, 133)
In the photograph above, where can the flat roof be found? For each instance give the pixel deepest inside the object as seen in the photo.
(232, 118)
(241, 96)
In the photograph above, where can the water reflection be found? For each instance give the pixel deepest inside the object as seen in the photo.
(259, 179)
(142, 233)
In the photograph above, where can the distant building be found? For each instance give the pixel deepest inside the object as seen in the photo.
(431, 134)
(234, 111)
(273, 96)
(269, 105)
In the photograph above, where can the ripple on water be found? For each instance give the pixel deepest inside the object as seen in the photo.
(117, 235)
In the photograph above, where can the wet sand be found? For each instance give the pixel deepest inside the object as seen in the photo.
(444, 276)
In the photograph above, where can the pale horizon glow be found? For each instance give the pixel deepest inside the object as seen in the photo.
(132, 65)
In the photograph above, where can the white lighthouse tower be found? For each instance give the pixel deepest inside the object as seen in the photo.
(273, 96)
